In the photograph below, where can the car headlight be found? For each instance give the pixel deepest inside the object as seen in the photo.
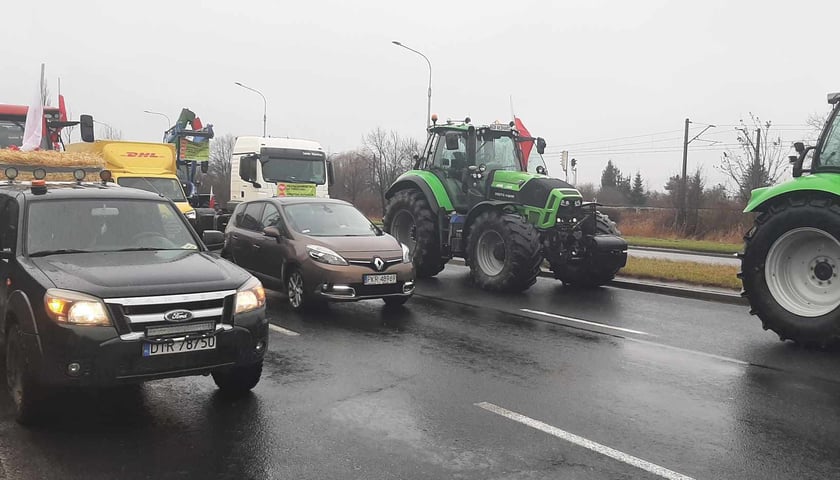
(75, 308)
(191, 215)
(325, 255)
(406, 253)
(250, 296)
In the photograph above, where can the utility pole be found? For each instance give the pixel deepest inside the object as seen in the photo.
(684, 183)
(43, 90)
(757, 149)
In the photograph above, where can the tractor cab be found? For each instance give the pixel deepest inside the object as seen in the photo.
(466, 158)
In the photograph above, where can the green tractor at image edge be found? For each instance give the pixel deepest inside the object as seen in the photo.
(471, 194)
(791, 258)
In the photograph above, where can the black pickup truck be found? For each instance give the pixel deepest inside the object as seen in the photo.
(102, 285)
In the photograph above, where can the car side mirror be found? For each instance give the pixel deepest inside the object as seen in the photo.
(86, 128)
(272, 232)
(453, 141)
(540, 145)
(214, 239)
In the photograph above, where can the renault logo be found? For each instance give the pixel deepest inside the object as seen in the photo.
(178, 316)
(378, 264)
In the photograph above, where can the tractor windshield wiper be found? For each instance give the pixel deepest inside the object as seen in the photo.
(44, 253)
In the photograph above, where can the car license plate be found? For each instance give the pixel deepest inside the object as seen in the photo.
(183, 346)
(386, 279)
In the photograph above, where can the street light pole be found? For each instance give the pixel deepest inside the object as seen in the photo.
(265, 103)
(429, 105)
(684, 187)
(168, 122)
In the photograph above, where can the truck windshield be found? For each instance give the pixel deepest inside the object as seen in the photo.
(830, 151)
(85, 225)
(290, 170)
(329, 220)
(168, 187)
(497, 153)
(11, 133)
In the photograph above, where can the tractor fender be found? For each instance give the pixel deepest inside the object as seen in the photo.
(482, 207)
(426, 182)
(826, 183)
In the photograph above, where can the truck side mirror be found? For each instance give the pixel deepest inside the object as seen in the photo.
(248, 168)
(540, 145)
(330, 172)
(452, 141)
(86, 128)
(205, 167)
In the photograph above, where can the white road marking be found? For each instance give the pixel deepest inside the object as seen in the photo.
(585, 443)
(585, 322)
(686, 350)
(284, 331)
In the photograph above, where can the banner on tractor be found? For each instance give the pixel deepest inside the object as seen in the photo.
(193, 151)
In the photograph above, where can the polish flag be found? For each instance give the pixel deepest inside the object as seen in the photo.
(212, 198)
(34, 129)
(526, 146)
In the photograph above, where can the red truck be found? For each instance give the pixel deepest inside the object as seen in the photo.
(13, 121)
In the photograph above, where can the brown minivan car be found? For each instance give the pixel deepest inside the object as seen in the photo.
(318, 249)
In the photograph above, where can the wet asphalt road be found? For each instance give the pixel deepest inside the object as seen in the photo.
(363, 392)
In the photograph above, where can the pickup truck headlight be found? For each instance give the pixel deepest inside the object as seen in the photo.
(191, 215)
(325, 255)
(75, 308)
(250, 296)
(406, 253)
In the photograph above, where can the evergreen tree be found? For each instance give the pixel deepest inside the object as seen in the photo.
(610, 175)
(638, 196)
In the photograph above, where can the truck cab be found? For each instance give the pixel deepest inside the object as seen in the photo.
(278, 167)
(143, 165)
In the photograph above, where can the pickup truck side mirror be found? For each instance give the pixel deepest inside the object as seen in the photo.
(214, 239)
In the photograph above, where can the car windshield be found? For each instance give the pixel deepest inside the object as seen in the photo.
(329, 220)
(496, 152)
(86, 225)
(293, 170)
(11, 133)
(168, 187)
(830, 152)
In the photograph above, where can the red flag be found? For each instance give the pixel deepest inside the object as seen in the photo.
(526, 146)
(212, 198)
(62, 109)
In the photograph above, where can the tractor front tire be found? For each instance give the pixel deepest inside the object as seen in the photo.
(504, 252)
(410, 219)
(588, 273)
(790, 267)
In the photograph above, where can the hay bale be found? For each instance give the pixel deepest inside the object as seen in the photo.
(51, 158)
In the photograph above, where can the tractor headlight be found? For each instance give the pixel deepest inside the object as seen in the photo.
(406, 253)
(75, 308)
(565, 203)
(250, 296)
(325, 255)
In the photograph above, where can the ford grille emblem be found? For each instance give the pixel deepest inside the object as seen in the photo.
(178, 316)
(378, 264)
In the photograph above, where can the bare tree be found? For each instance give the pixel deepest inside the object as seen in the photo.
(389, 155)
(67, 132)
(757, 163)
(351, 177)
(815, 121)
(107, 132)
(219, 170)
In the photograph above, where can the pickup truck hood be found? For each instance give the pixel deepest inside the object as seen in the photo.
(134, 274)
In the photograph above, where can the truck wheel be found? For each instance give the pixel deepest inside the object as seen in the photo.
(237, 381)
(504, 252)
(789, 269)
(27, 396)
(588, 273)
(410, 219)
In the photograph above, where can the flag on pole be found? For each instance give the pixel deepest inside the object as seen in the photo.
(62, 108)
(526, 146)
(34, 129)
(212, 198)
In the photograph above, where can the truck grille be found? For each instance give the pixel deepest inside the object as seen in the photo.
(137, 314)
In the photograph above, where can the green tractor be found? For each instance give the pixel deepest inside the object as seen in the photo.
(791, 258)
(474, 193)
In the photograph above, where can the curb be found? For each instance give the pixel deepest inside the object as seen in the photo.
(698, 293)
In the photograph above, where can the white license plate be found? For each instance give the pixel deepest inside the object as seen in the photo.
(386, 279)
(183, 346)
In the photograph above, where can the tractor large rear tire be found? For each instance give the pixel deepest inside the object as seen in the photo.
(504, 252)
(410, 219)
(789, 269)
(588, 273)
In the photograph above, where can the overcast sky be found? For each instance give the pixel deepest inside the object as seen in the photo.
(581, 73)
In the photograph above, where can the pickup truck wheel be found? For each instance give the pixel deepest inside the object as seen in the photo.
(27, 395)
(238, 380)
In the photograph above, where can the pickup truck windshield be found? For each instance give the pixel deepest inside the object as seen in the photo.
(289, 170)
(168, 187)
(84, 225)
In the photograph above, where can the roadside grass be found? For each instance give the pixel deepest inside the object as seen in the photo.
(705, 246)
(705, 274)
